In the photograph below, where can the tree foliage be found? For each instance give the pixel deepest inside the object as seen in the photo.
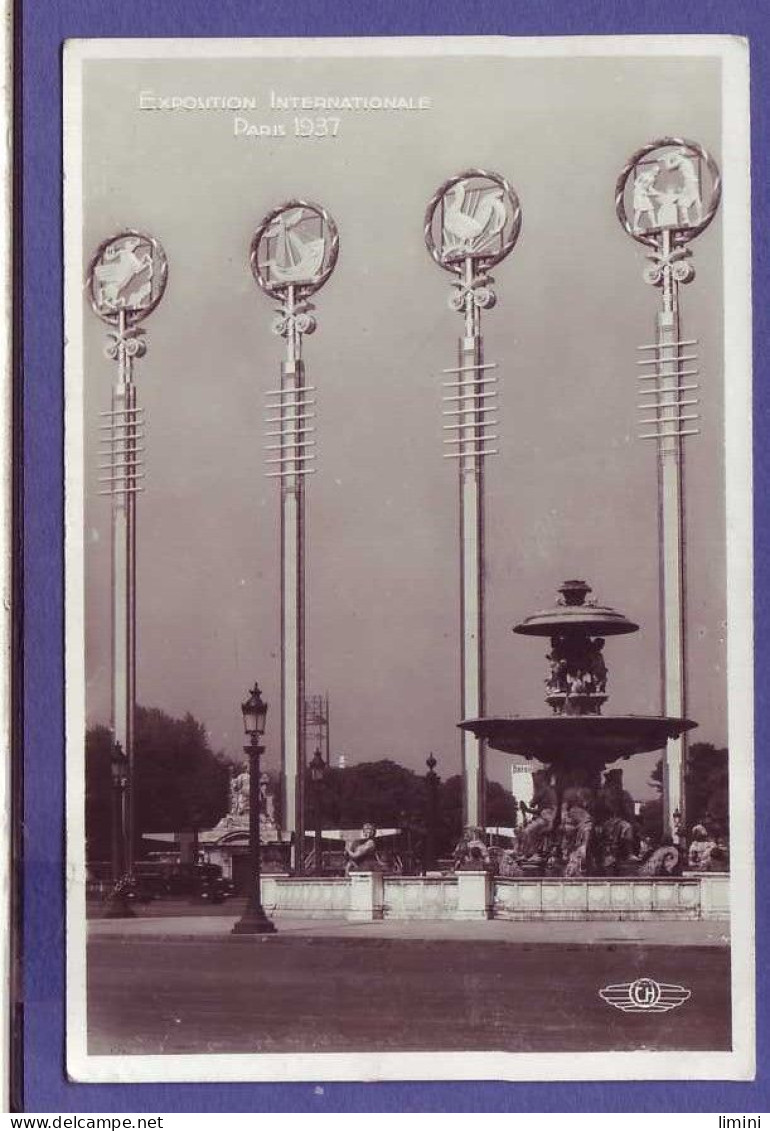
(656, 777)
(707, 796)
(179, 782)
(651, 820)
(707, 787)
(98, 793)
(392, 796)
(380, 792)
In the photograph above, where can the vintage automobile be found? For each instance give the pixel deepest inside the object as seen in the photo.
(199, 881)
(148, 881)
(153, 880)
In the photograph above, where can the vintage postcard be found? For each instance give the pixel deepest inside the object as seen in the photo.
(408, 559)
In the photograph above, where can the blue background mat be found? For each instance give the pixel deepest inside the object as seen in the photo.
(41, 29)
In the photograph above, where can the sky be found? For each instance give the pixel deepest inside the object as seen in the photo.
(572, 492)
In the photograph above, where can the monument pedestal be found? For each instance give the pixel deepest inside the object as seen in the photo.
(366, 897)
(474, 895)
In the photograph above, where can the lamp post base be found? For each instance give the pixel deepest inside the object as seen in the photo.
(254, 921)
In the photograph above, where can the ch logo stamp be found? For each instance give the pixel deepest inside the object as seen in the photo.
(645, 995)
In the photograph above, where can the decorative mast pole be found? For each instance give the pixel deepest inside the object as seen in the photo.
(293, 253)
(126, 280)
(471, 223)
(666, 182)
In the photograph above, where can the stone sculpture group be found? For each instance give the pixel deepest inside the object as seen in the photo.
(577, 668)
(588, 832)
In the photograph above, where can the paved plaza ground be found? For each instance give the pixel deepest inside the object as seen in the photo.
(174, 980)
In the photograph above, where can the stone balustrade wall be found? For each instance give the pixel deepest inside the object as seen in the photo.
(474, 895)
(417, 897)
(597, 899)
(327, 897)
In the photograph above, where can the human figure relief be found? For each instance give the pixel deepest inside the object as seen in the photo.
(597, 666)
(472, 217)
(688, 195)
(557, 681)
(239, 794)
(532, 836)
(577, 684)
(575, 829)
(509, 865)
(361, 852)
(615, 823)
(664, 861)
(701, 848)
(471, 853)
(643, 196)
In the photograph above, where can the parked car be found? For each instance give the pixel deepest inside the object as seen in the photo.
(200, 881)
(210, 883)
(148, 881)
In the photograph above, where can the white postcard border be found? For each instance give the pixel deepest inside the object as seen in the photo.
(736, 1065)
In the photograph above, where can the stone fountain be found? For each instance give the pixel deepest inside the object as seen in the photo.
(582, 824)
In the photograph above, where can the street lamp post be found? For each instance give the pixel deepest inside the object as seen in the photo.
(317, 774)
(117, 905)
(254, 921)
(431, 783)
(404, 843)
(119, 782)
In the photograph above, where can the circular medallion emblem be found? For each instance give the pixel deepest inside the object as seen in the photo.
(644, 992)
(669, 185)
(296, 245)
(475, 215)
(127, 275)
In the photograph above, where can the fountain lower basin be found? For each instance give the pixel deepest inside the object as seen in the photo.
(565, 740)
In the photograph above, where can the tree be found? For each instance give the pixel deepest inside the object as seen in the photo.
(98, 793)
(390, 795)
(707, 788)
(179, 784)
(656, 777)
(381, 792)
(651, 820)
(706, 784)
(500, 809)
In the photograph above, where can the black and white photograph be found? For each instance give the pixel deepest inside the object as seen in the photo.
(408, 559)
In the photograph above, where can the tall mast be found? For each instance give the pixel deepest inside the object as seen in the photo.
(126, 280)
(293, 253)
(665, 182)
(471, 223)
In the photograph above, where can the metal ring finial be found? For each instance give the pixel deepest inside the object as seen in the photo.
(513, 221)
(330, 251)
(132, 268)
(681, 234)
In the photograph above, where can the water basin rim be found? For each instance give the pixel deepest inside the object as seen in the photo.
(598, 721)
(576, 619)
(570, 738)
